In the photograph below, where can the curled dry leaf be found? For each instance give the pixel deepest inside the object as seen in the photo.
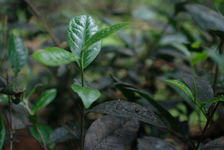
(129, 110)
(110, 133)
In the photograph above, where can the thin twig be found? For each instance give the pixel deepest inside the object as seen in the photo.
(83, 109)
(42, 138)
(57, 42)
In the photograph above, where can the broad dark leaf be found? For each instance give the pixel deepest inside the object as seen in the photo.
(216, 144)
(205, 17)
(129, 110)
(152, 143)
(81, 29)
(19, 117)
(204, 89)
(110, 133)
(15, 86)
(129, 91)
(67, 132)
(2, 131)
(2, 83)
(17, 53)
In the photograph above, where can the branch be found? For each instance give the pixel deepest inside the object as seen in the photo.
(56, 41)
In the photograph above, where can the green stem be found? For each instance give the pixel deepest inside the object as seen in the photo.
(41, 136)
(82, 107)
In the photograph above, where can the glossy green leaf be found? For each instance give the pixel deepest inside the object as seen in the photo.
(17, 53)
(39, 130)
(88, 95)
(104, 33)
(217, 99)
(182, 86)
(44, 99)
(54, 56)
(80, 29)
(2, 132)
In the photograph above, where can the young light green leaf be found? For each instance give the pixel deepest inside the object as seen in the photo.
(88, 95)
(2, 132)
(54, 56)
(39, 130)
(217, 99)
(103, 34)
(197, 57)
(17, 53)
(182, 86)
(80, 29)
(45, 98)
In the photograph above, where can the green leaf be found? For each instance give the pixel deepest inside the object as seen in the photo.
(17, 53)
(80, 29)
(182, 48)
(45, 132)
(2, 132)
(104, 33)
(205, 17)
(217, 99)
(182, 86)
(197, 57)
(216, 57)
(54, 56)
(88, 95)
(45, 98)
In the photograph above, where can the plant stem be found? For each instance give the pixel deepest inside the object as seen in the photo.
(82, 108)
(41, 136)
(214, 106)
(10, 118)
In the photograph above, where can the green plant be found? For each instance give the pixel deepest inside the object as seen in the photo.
(17, 56)
(84, 41)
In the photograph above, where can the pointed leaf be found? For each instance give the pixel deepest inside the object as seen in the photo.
(130, 92)
(2, 132)
(17, 53)
(217, 99)
(181, 86)
(110, 133)
(88, 95)
(45, 98)
(153, 143)
(54, 56)
(104, 33)
(203, 88)
(81, 29)
(129, 110)
(42, 129)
